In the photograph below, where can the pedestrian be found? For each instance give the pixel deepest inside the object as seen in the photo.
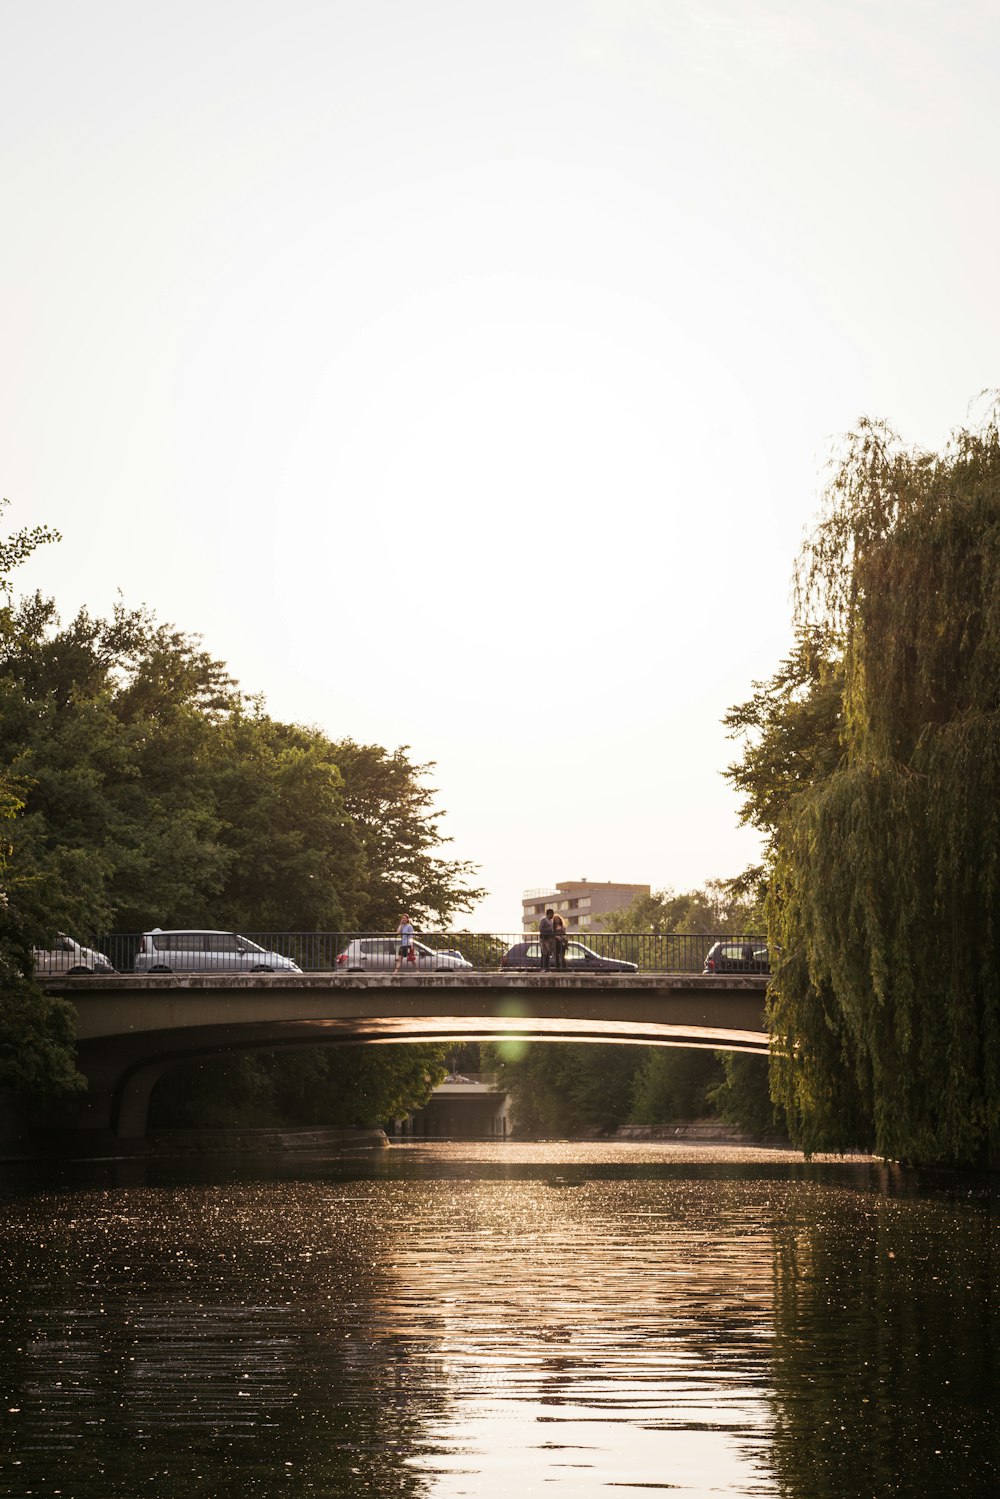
(405, 934)
(546, 938)
(560, 940)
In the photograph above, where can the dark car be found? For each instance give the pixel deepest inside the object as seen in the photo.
(737, 957)
(579, 959)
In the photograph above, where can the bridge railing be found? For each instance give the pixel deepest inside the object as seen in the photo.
(338, 952)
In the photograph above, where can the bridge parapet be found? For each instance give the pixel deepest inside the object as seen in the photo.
(320, 952)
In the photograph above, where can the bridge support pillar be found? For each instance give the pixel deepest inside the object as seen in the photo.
(108, 1119)
(131, 1112)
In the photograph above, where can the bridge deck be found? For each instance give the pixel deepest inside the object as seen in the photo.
(338, 1006)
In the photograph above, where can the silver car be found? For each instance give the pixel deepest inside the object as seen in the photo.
(67, 956)
(379, 954)
(206, 952)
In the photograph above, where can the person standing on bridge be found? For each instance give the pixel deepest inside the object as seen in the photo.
(405, 933)
(546, 938)
(560, 941)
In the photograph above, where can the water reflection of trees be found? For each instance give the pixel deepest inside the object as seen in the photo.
(885, 1358)
(220, 1339)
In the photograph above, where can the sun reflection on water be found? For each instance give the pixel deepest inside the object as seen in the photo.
(481, 1320)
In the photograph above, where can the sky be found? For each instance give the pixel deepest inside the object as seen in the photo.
(466, 374)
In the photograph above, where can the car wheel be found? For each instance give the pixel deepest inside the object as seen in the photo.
(261, 969)
(79, 969)
(159, 968)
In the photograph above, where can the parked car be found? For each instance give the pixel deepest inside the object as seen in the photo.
(579, 959)
(207, 952)
(378, 954)
(67, 956)
(737, 957)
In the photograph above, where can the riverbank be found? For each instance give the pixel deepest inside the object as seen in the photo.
(262, 1141)
(714, 1131)
(283, 1141)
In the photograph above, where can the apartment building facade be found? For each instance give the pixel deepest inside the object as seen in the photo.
(581, 903)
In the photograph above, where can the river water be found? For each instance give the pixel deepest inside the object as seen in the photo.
(498, 1319)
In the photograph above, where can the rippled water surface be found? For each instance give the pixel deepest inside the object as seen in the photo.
(498, 1319)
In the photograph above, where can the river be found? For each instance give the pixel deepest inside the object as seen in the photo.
(494, 1319)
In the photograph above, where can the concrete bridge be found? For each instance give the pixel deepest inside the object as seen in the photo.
(131, 1029)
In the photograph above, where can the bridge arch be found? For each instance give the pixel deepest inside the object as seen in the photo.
(133, 1029)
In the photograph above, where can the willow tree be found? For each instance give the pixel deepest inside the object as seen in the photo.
(885, 870)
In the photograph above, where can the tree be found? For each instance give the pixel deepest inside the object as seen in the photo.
(140, 786)
(353, 1087)
(37, 1042)
(719, 906)
(743, 1096)
(36, 1031)
(391, 807)
(18, 547)
(108, 725)
(674, 1083)
(296, 860)
(790, 728)
(885, 857)
(564, 1088)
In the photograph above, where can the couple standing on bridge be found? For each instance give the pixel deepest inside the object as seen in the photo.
(553, 939)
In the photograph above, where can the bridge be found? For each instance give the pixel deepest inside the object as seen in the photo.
(133, 1028)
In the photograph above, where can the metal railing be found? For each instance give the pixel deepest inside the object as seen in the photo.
(340, 952)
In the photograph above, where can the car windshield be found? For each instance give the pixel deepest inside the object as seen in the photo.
(245, 945)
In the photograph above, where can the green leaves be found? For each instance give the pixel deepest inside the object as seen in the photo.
(873, 763)
(155, 793)
(139, 786)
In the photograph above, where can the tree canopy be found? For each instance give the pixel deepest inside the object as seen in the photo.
(36, 1030)
(718, 906)
(154, 792)
(141, 786)
(873, 762)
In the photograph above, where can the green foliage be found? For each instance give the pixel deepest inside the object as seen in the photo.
(295, 857)
(743, 1096)
(390, 807)
(139, 786)
(720, 906)
(37, 1042)
(790, 728)
(674, 1083)
(36, 1031)
(565, 1088)
(18, 548)
(322, 1087)
(885, 854)
(155, 793)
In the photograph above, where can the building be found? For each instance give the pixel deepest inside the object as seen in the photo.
(463, 1107)
(581, 903)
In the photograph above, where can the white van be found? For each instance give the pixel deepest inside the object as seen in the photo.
(206, 952)
(67, 956)
(379, 954)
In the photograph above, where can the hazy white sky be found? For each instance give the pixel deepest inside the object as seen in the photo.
(464, 372)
